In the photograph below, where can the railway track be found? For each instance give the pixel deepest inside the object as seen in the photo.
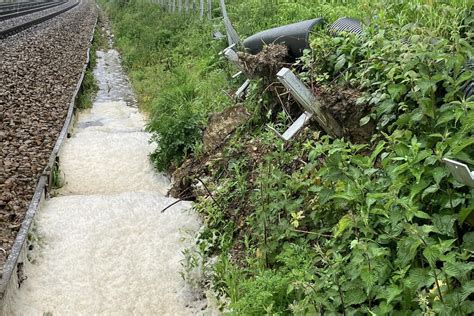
(16, 19)
(41, 70)
(19, 11)
(17, 6)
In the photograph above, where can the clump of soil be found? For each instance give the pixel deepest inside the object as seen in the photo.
(342, 104)
(266, 63)
(220, 126)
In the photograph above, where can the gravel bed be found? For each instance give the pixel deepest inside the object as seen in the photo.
(33, 16)
(39, 69)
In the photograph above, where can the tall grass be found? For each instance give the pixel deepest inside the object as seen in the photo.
(175, 71)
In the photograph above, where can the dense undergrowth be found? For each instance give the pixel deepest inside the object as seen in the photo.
(321, 225)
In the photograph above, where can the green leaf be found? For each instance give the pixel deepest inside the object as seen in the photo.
(354, 296)
(463, 144)
(341, 60)
(465, 212)
(429, 190)
(364, 120)
(439, 173)
(468, 241)
(369, 278)
(390, 293)
(425, 85)
(427, 105)
(432, 253)
(377, 150)
(421, 214)
(396, 90)
(406, 250)
(445, 223)
(417, 188)
(458, 270)
(344, 223)
(467, 289)
(419, 278)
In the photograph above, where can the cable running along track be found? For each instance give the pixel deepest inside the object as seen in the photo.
(29, 9)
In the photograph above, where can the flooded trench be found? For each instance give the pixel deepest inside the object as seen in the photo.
(103, 245)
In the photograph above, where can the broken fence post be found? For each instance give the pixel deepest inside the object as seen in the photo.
(232, 36)
(223, 8)
(309, 102)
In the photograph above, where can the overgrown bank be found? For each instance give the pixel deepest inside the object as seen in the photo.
(320, 225)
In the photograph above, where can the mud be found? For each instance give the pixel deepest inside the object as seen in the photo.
(341, 102)
(265, 64)
(221, 124)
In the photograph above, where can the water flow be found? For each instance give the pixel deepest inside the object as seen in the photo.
(105, 246)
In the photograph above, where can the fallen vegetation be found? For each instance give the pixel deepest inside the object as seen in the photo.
(372, 223)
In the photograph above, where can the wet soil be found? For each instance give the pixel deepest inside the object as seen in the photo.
(266, 63)
(342, 103)
(220, 127)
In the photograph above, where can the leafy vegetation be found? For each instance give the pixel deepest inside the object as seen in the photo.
(89, 87)
(322, 225)
(176, 74)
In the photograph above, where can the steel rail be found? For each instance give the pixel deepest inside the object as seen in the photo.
(19, 5)
(16, 13)
(23, 26)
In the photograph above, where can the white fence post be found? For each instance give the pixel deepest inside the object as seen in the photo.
(186, 5)
(209, 9)
(223, 8)
(201, 7)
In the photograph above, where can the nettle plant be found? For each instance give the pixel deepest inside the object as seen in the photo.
(386, 224)
(398, 246)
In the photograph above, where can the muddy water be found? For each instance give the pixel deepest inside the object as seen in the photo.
(104, 245)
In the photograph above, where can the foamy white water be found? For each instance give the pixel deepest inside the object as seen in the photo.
(106, 248)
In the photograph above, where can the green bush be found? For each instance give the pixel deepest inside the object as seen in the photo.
(176, 122)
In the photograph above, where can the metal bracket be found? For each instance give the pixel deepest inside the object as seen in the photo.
(242, 88)
(237, 74)
(227, 48)
(460, 172)
(294, 128)
(297, 125)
